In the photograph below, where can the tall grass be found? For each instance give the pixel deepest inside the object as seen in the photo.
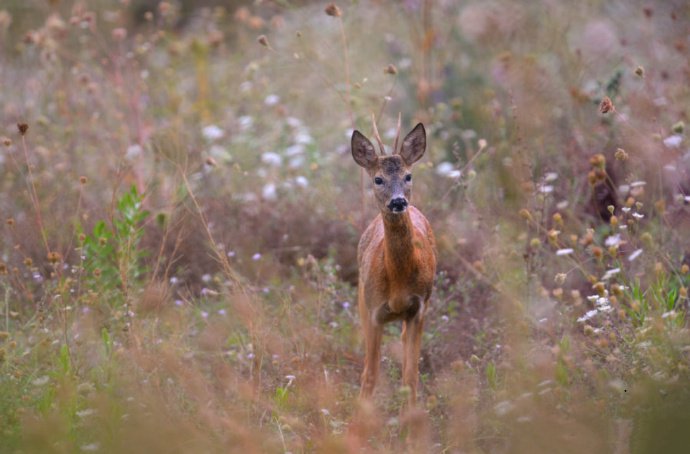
(181, 216)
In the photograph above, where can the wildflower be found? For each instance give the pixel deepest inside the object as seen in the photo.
(272, 100)
(683, 292)
(553, 236)
(597, 252)
(91, 447)
(634, 255)
(606, 105)
(256, 257)
(673, 141)
(22, 127)
(610, 273)
(212, 132)
(272, 158)
(614, 221)
(560, 278)
(557, 219)
(685, 268)
(269, 192)
(621, 154)
(333, 10)
(562, 252)
(588, 315)
(301, 181)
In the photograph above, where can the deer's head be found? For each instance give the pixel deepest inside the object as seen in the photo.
(390, 173)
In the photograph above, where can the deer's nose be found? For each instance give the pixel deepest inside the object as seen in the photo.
(397, 205)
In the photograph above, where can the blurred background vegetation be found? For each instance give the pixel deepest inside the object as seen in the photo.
(181, 214)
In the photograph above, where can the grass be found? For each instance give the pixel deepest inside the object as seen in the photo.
(181, 216)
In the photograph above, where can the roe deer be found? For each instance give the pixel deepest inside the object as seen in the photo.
(396, 256)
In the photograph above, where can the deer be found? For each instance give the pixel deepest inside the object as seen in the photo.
(396, 256)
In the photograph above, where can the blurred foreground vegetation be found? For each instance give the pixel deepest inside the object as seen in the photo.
(181, 214)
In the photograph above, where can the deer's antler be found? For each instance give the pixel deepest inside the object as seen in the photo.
(377, 136)
(397, 136)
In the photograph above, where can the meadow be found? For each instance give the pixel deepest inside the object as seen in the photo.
(180, 216)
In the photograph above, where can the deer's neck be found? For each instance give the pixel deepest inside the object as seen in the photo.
(398, 243)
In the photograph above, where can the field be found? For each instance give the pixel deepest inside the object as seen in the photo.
(181, 211)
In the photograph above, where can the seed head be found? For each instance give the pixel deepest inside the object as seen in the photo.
(678, 128)
(647, 239)
(263, 40)
(6, 141)
(211, 162)
(102, 241)
(613, 251)
(97, 272)
(333, 10)
(391, 69)
(597, 252)
(614, 221)
(10, 222)
(598, 161)
(606, 105)
(621, 154)
(600, 288)
(557, 219)
(560, 278)
(82, 237)
(685, 268)
(22, 127)
(3, 269)
(639, 71)
(54, 257)
(83, 180)
(683, 292)
(28, 262)
(525, 214)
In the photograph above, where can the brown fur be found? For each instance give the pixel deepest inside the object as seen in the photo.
(397, 262)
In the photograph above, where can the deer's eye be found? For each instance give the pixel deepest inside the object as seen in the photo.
(408, 177)
(378, 180)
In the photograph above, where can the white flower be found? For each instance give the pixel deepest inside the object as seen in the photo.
(303, 137)
(302, 181)
(212, 132)
(256, 256)
(503, 407)
(610, 273)
(444, 168)
(545, 188)
(634, 255)
(636, 184)
(272, 158)
(40, 381)
(133, 151)
(86, 412)
(551, 176)
(293, 150)
(587, 315)
(272, 100)
(91, 447)
(638, 215)
(269, 192)
(613, 240)
(566, 251)
(246, 122)
(673, 141)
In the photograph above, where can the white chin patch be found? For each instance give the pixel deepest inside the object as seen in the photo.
(398, 210)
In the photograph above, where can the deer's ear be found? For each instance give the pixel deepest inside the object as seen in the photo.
(414, 145)
(363, 150)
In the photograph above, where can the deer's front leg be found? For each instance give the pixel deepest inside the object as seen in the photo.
(412, 343)
(372, 336)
